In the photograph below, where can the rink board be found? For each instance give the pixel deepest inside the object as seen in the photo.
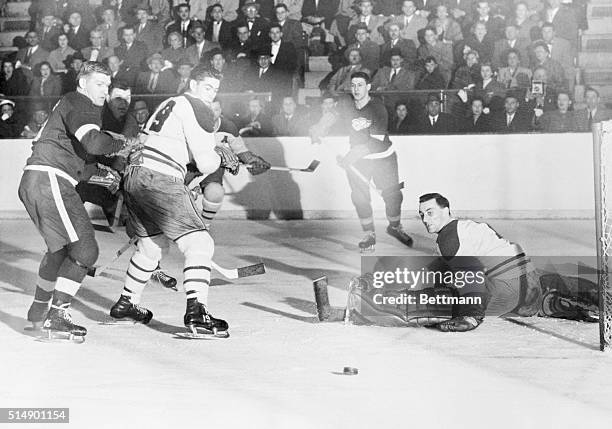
(508, 176)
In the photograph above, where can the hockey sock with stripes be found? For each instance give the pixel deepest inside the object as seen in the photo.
(138, 274)
(197, 278)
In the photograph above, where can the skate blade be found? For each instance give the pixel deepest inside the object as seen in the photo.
(369, 249)
(118, 322)
(201, 336)
(60, 337)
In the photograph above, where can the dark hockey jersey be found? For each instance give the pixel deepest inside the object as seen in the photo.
(375, 136)
(70, 134)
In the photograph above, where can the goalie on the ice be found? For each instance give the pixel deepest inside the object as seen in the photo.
(512, 286)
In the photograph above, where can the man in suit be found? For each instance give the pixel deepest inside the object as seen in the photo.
(289, 122)
(48, 32)
(110, 28)
(434, 121)
(118, 74)
(183, 24)
(264, 77)
(374, 23)
(96, 52)
(32, 55)
(183, 70)
(258, 26)
(314, 9)
(409, 22)
(199, 50)
(147, 31)
(284, 57)
(594, 111)
(406, 47)
(512, 119)
(395, 77)
(560, 51)
(441, 51)
(126, 9)
(78, 35)
(494, 24)
(340, 82)
(370, 51)
(131, 52)
(511, 41)
(291, 28)
(563, 18)
(219, 30)
(156, 81)
(554, 71)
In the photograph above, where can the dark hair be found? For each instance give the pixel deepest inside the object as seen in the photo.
(440, 199)
(400, 103)
(283, 5)
(128, 27)
(176, 8)
(542, 44)
(275, 25)
(548, 24)
(430, 60)
(214, 6)
(38, 66)
(590, 88)
(477, 98)
(201, 72)
(119, 84)
(361, 75)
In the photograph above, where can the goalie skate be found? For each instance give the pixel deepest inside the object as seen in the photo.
(366, 245)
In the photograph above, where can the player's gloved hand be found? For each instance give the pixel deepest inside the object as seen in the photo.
(229, 160)
(353, 155)
(256, 164)
(107, 178)
(192, 173)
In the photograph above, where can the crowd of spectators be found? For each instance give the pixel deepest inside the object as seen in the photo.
(497, 58)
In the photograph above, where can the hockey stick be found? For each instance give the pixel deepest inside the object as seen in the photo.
(96, 271)
(310, 169)
(237, 273)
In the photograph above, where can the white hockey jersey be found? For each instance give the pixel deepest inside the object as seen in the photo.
(181, 130)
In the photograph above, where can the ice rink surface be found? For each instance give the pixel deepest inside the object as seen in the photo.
(279, 368)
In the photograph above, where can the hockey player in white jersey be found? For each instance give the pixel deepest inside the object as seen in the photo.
(161, 207)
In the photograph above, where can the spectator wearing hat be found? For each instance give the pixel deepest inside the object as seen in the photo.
(374, 23)
(48, 30)
(141, 113)
(394, 77)
(264, 77)
(199, 50)
(147, 31)
(73, 65)
(183, 24)
(40, 113)
(175, 52)
(434, 121)
(406, 47)
(78, 34)
(257, 25)
(183, 70)
(97, 51)
(156, 81)
(58, 56)
(12, 81)
(340, 81)
(10, 127)
(110, 27)
(219, 30)
(31, 55)
(45, 83)
(370, 51)
(131, 52)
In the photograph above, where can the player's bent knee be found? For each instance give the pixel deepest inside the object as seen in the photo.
(150, 248)
(214, 192)
(196, 243)
(84, 252)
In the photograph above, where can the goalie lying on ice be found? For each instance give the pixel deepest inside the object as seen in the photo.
(510, 286)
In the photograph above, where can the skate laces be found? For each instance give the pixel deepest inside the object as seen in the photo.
(140, 310)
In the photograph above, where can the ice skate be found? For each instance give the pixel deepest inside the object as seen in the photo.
(460, 324)
(124, 312)
(37, 314)
(201, 324)
(164, 279)
(368, 242)
(58, 326)
(399, 233)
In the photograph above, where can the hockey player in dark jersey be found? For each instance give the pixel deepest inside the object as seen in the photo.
(372, 157)
(47, 190)
(211, 187)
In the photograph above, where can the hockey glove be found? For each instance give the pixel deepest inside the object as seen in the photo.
(256, 164)
(229, 161)
(107, 178)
